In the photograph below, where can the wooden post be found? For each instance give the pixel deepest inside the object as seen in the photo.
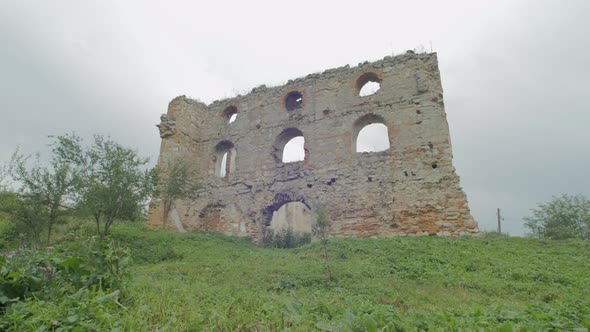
(499, 222)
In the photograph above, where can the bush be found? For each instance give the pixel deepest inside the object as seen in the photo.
(86, 270)
(563, 217)
(285, 238)
(85, 310)
(8, 229)
(8, 234)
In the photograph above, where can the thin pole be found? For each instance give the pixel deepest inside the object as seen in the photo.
(499, 222)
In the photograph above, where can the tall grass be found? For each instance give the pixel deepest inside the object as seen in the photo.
(200, 281)
(224, 283)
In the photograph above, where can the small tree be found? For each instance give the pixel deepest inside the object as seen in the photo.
(29, 217)
(49, 187)
(9, 205)
(113, 183)
(563, 217)
(177, 181)
(3, 177)
(320, 230)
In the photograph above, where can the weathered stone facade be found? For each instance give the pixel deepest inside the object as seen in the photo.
(409, 189)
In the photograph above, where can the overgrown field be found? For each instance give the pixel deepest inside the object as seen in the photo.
(211, 282)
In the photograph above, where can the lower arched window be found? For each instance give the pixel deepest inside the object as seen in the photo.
(293, 150)
(289, 146)
(225, 158)
(370, 134)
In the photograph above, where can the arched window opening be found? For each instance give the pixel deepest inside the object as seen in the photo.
(369, 88)
(295, 216)
(294, 101)
(294, 150)
(368, 84)
(370, 134)
(223, 166)
(289, 146)
(230, 114)
(225, 158)
(372, 138)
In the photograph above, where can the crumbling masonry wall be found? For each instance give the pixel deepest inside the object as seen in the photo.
(409, 189)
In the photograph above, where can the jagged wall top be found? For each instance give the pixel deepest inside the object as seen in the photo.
(387, 61)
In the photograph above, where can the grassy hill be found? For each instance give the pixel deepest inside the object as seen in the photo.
(212, 282)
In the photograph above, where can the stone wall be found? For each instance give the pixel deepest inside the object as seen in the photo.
(409, 189)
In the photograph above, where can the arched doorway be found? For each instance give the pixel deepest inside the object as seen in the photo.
(287, 222)
(293, 215)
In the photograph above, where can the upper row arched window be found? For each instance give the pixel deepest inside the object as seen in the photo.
(294, 101)
(230, 114)
(367, 84)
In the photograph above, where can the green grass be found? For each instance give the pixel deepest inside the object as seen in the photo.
(199, 281)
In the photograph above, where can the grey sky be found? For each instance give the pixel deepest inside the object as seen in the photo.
(516, 75)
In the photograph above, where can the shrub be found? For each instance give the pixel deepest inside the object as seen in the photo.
(563, 217)
(8, 233)
(28, 276)
(285, 238)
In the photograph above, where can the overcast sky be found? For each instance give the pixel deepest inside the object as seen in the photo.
(516, 75)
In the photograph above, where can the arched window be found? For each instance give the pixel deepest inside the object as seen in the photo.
(368, 84)
(230, 114)
(293, 150)
(289, 146)
(294, 101)
(370, 134)
(223, 165)
(225, 158)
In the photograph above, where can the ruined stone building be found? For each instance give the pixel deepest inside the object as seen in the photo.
(236, 146)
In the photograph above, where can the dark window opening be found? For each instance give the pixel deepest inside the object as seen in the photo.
(230, 114)
(294, 101)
